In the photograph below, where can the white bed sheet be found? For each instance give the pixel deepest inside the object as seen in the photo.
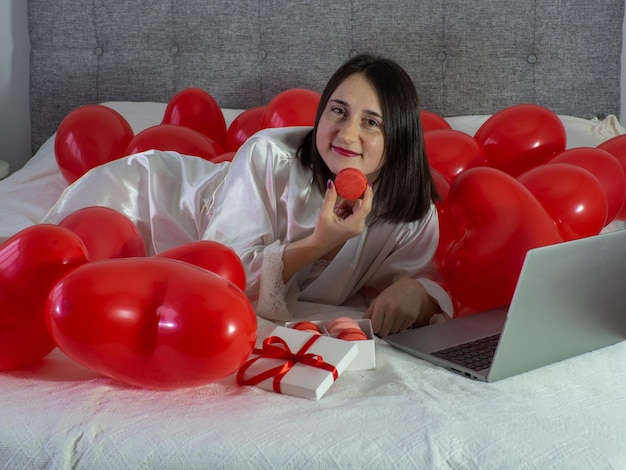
(404, 414)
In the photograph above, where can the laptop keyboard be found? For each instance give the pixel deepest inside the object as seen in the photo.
(475, 355)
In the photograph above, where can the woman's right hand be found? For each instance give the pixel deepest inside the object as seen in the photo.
(336, 224)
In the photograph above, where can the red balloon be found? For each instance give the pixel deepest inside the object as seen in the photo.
(521, 137)
(441, 184)
(494, 221)
(571, 195)
(88, 137)
(461, 310)
(292, 107)
(213, 256)
(605, 167)
(225, 157)
(177, 138)
(616, 146)
(196, 109)
(243, 126)
(31, 262)
(152, 322)
(432, 121)
(106, 233)
(452, 152)
(446, 234)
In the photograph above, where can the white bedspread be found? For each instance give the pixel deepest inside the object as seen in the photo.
(404, 414)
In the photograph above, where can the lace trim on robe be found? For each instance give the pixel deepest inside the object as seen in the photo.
(275, 296)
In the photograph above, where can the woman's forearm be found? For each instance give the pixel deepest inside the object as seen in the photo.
(299, 254)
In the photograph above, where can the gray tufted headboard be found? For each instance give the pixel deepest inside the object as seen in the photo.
(466, 57)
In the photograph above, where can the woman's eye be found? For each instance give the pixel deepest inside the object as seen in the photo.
(372, 123)
(337, 110)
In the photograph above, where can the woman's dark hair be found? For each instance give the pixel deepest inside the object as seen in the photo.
(404, 188)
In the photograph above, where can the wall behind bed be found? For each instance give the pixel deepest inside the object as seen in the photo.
(466, 57)
(15, 137)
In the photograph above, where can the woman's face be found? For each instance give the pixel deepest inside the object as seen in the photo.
(350, 130)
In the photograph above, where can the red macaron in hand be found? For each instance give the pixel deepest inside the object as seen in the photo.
(350, 183)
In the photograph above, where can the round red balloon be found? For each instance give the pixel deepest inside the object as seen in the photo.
(213, 256)
(432, 121)
(152, 322)
(243, 126)
(571, 195)
(292, 107)
(606, 168)
(196, 109)
(88, 137)
(452, 152)
(176, 138)
(106, 233)
(521, 137)
(31, 262)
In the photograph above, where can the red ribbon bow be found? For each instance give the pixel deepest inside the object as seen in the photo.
(274, 347)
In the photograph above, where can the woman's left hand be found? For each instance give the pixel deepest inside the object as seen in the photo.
(403, 304)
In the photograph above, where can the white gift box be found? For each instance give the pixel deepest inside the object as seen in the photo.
(366, 349)
(311, 363)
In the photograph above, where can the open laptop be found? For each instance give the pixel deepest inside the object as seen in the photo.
(570, 299)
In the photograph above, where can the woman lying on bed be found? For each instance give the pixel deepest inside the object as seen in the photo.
(276, 204)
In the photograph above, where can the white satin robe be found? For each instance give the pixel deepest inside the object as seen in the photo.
(257, 204)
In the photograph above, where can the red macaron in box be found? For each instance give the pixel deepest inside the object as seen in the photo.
(357, 331)
(297, 363)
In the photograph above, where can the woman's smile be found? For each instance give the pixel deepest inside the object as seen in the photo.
(345, 152)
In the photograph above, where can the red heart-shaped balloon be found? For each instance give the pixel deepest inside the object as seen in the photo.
(88, 137)
(175, 138)
(571, 195)
(606, 168)
(196, 109)
(243, 126)
(152, 322)
(452, 152)
(292, 107)
(616, 146)
(213, 256)
(520, 137)
(432, 121)
(31, 262)
(106, 233)
(492, 220)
